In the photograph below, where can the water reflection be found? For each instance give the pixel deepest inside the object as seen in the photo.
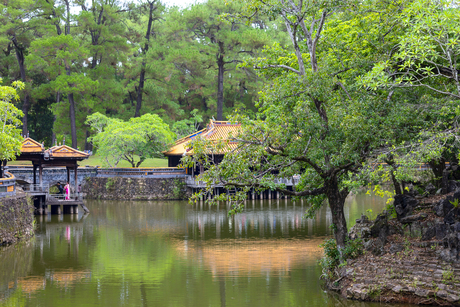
(174, 254)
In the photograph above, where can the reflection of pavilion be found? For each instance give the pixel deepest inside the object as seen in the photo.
(251, 257)
(62, 279)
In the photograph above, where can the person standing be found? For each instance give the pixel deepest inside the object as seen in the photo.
(67, 191)
(59, 186)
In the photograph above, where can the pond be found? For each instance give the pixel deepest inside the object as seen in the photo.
(174, 254)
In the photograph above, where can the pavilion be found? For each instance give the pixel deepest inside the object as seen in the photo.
(61, 155)
(215, 131)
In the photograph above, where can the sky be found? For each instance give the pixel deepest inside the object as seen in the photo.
(181, 3)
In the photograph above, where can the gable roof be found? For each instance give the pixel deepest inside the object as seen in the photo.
(64, 151)
(215, 131)
(29, 145)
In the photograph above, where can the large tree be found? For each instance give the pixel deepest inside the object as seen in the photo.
(60, 56)
(134, 141)
(225, 41)
(10, 135)
(314, 119)
(426, 62)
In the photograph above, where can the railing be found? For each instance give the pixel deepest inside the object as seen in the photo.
(141, 172)
(36, 188)
(192, 182)
(8, 185)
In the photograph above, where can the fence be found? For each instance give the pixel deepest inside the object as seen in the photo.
(165, 172)
(194, 183)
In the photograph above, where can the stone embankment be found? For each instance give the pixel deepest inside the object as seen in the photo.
(413, 258)
(118, 188)
(16, 219)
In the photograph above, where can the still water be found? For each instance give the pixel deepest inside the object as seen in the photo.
(175, 254)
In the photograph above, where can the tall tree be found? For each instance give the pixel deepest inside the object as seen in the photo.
(17, 22)
(60, 55)
(10, 137)
(227, 41)
(314, 120)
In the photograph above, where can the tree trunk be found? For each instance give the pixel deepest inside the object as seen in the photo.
(140, 88)
(396, 184)
(220, 81)
(22, 71)
(73, 126)
(336, 200)
(438, 168)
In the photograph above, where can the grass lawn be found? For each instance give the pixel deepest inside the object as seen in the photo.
(96, 160)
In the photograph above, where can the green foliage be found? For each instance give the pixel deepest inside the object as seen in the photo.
(333, 257)
(448, 276)
(10, 135)
(454, 202)
(178, 189)
(143, 137)
(110, 183)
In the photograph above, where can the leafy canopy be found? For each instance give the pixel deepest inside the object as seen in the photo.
(134, 141)
(10, 135)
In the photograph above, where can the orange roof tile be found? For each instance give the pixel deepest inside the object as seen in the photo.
(65, 151)
(214, 131)
(31, 146)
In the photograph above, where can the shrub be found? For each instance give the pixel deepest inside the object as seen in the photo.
(331, 259)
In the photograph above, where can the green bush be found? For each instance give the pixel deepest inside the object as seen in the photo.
(331, 259)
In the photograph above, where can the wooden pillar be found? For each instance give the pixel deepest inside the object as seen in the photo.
(40, 205)
(56, 209)
(2, 168)
(40, 174)
(76, 180)
(35, 173)
(269, 194)
(68, 174)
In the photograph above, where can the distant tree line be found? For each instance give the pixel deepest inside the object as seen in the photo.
(125, 59)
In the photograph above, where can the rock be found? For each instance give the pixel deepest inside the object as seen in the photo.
(430, 189)
(412, 218)
(444, 206)
(456, 194)
(438, 191)
(441, 230)
(421, 292)
(397, 289)
(429, 233)
(456, 227)
(363, 220)
(395, 248)
(451, 298)
(453, 216)
(380, 228)
(360, 231)
(452, 186)
(404, 204)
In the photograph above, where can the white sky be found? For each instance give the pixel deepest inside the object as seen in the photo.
(181, 3)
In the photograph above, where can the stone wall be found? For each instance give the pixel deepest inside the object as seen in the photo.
(118, 188)
(16, 218)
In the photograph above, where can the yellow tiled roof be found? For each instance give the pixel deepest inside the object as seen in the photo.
(31, 146)
(214, 131)
(64, 151)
